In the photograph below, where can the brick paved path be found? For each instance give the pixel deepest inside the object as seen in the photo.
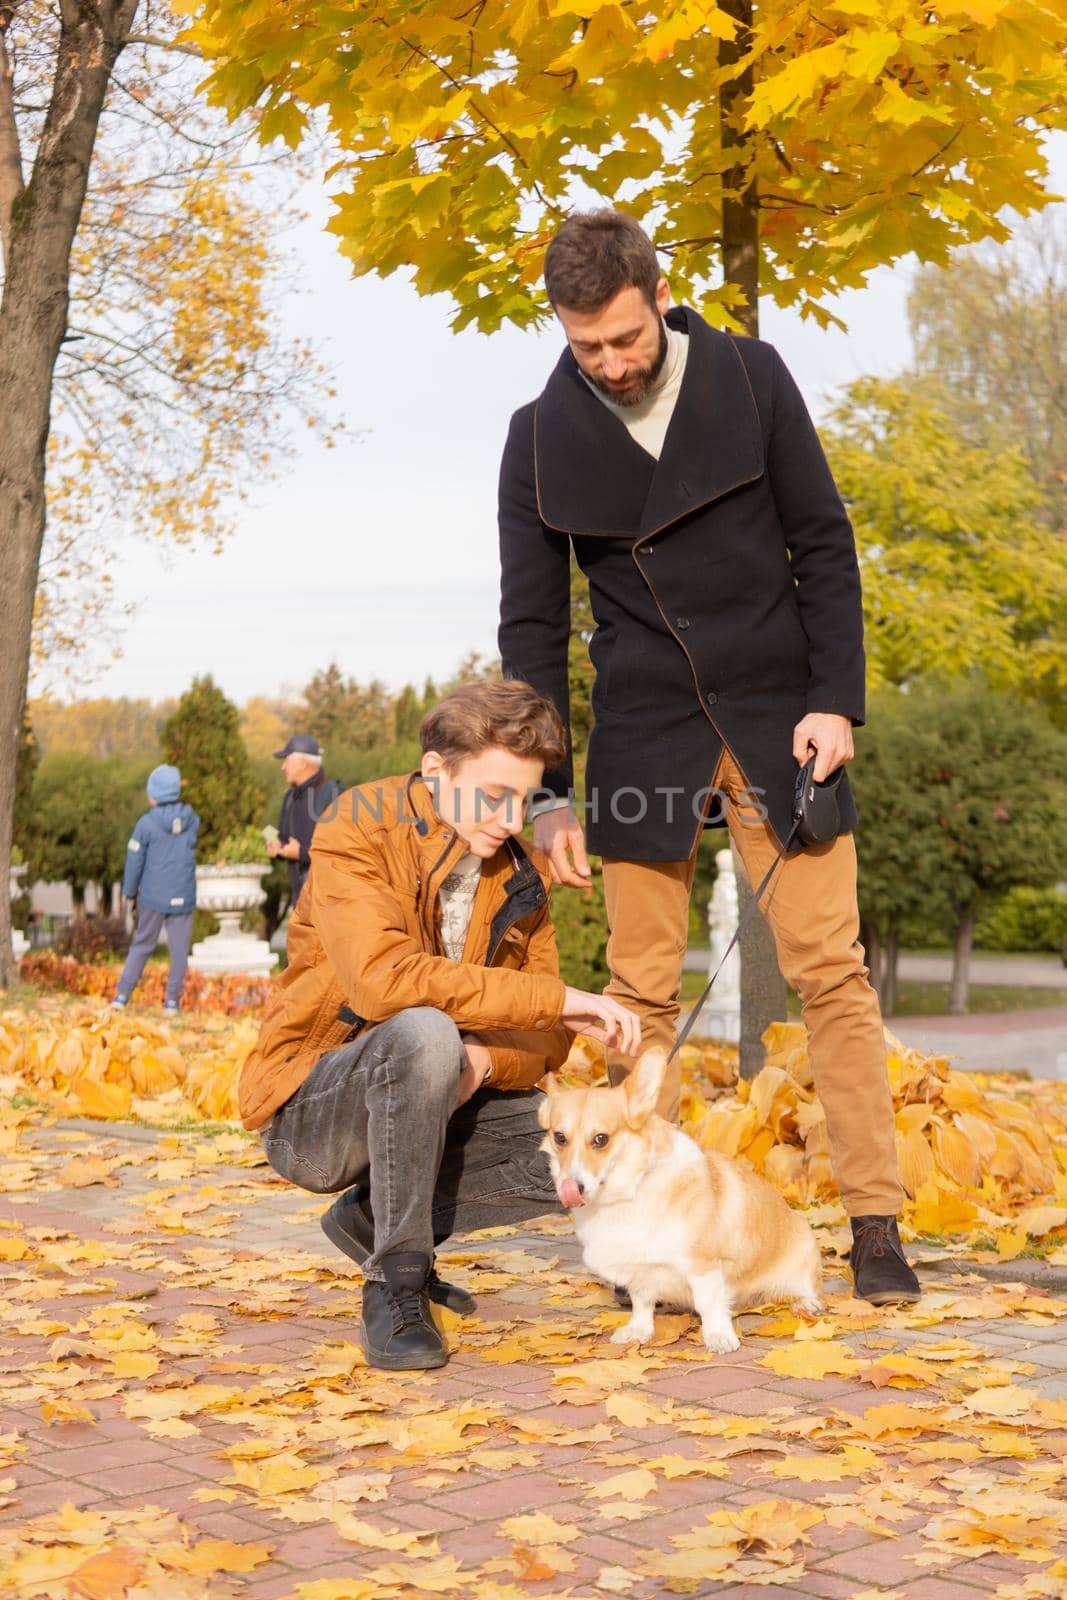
(219, 1274)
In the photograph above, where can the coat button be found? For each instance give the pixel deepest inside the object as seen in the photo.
(710, 696)
(681, 622)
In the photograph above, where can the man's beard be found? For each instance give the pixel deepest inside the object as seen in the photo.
(643, 380)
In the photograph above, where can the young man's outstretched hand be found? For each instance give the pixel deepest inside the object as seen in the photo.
(595, 1015)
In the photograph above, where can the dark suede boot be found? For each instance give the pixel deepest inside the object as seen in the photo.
(398, 1331)
(349, 1224)
(880, 1271)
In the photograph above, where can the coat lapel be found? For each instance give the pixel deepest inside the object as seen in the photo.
(714, 442)
(592, 478)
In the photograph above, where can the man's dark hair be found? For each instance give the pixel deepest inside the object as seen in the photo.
(593, 255)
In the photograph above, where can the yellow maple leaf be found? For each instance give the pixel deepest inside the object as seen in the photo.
(537, 1527)
(811, 1360)
(633, 1485)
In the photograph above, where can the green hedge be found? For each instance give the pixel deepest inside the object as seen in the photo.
(1026, 919)
(581, 925)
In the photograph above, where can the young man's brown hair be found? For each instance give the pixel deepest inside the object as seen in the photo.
(478, 715)
(593, 255)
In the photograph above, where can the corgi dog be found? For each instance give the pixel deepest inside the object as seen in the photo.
(668, 1221)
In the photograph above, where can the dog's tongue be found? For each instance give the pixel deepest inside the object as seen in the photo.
(569, 1194)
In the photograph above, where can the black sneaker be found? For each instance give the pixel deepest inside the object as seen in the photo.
(349, 1224)
(397, 1330)
(880, 1271)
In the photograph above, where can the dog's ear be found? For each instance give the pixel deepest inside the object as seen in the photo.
(643, 1085)
(544, 1109)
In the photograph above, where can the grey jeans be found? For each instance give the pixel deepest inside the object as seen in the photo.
(381, 1112)
(178, 927)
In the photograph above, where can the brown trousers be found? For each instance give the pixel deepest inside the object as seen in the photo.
(812, 911)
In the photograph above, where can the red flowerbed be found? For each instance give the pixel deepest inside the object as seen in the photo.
(230, 994)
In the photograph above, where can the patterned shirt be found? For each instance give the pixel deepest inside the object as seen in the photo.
(457, 901)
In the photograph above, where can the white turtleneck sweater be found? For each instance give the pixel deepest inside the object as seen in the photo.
(648, 421)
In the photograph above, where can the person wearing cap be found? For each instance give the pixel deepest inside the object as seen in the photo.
(310, 795)
(161, 872)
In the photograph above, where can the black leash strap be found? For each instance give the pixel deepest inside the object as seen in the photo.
(749, 913)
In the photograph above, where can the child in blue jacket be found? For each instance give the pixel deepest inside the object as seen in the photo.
(161, 871)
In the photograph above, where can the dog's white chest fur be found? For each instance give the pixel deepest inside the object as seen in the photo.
(635, 1242)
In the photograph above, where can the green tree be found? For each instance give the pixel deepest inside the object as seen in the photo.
(82, 813)
(959, 573)
(203, 739)
(981, 780)
(992, 328)
(904, 853)
(339, 711)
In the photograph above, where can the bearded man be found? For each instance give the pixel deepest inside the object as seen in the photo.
(680, 466)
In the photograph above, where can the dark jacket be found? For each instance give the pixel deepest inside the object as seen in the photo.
(723, 579)
(365, 943)
(161, 859)
(302, 806)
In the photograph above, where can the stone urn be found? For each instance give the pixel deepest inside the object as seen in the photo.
(228, 892)
(19, 942)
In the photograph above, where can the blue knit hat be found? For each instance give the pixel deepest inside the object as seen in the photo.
(164, 783)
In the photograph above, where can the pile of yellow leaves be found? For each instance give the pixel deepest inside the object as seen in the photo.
(975, 1152)
(87, 1061)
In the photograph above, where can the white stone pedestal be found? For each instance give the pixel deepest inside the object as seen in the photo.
(228, 892)
(721, 1017)
(19, 942)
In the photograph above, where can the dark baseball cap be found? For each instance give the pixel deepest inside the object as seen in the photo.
(300, 744)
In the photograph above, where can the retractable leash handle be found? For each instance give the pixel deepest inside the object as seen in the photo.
(803, 784)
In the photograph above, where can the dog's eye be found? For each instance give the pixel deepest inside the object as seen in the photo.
(560, 1138)
(598, 1141)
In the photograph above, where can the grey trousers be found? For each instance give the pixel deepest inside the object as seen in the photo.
(381, 1112)
(150, 924)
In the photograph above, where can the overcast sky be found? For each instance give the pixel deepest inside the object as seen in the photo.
(382, 555)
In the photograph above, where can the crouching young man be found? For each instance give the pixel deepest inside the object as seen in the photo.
(421, 1003)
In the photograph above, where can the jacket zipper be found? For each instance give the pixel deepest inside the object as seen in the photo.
(422, 908)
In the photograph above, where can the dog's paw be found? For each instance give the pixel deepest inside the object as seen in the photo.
(720, 1340)
(631, 1333)
(808, 1308)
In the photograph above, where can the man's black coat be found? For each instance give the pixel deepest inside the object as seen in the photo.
(723, 579)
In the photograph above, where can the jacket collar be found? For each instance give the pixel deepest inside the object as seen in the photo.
(593, 478)
(435, 836)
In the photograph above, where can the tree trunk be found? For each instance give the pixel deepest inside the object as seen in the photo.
(38, 223)
(763, 989)
(961, 966)
(740, 206)
(888, 995)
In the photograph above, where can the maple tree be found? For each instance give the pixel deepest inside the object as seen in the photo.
(959, 573)
(145, 378)
(782, 148)
(992, 329)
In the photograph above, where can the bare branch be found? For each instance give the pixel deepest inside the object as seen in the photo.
(157, 43)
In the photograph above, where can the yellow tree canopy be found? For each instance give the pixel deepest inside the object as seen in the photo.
(870, 129)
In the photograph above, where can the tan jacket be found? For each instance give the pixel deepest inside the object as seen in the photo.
(364, 943)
